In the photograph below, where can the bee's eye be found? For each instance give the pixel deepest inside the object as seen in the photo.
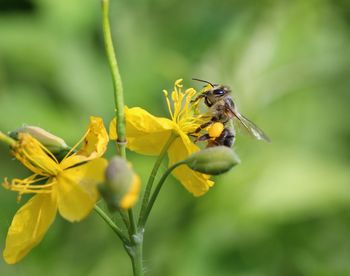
(219, 92)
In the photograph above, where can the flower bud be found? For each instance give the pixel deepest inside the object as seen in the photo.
(53, 143)
(213, 161)
(122, 186)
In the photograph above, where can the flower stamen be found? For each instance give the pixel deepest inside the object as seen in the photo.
(75, 146)
(182, 112)
(35, 156)
(28, 185)
(168, 103)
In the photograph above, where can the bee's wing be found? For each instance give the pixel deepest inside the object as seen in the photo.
(248, 125)
(252, 128)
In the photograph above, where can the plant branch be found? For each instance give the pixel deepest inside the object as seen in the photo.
(117, 81)
(111, 224)
(153, 175)
(133, 229)
(156, 192)
(6, 139)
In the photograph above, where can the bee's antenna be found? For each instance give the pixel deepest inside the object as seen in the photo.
(203, 81)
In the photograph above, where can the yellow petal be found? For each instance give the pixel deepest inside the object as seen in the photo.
(77, 189)
(145, 133)
(94, 144)
(29, 226)
(196, 183)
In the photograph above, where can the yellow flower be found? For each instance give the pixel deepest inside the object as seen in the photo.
(68, 186)
(147, 134)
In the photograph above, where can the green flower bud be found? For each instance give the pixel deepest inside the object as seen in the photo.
(122, 186)
(53, 143)
(213, 161)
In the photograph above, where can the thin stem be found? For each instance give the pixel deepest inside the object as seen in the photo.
(135, 249)
(153, 175)
(132, 221)
(117, 81)
(124, 218)
(156, 192)
(7, 140)
(111, 224)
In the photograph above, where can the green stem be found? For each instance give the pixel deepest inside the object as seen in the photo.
(7, 140)
(117, 81)
(111, 224)
(135, 249)
(132, 221)
(156, 192)
(153, 175)
(135, 253)
(125, 219)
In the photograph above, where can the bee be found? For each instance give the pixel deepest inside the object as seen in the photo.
(222, 111)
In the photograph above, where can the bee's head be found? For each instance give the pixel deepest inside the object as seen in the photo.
(214, 92)
(220, 91)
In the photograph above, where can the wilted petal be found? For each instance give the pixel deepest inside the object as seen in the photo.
(94, 144)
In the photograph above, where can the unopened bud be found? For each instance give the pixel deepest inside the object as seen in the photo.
(213, 161)
(122, 186)
(53, 143)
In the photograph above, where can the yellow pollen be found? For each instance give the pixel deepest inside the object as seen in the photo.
(215, 129)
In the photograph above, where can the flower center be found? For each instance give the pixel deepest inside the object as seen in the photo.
(37, 158)
(32, 154)
(185, 115)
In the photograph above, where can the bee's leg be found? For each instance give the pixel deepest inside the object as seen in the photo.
(202, 138)
(226, 138)
(206, 137)
(207, 102)
(198, 98)
(202, 126)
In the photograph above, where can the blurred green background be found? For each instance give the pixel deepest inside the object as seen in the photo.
(285, 210)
